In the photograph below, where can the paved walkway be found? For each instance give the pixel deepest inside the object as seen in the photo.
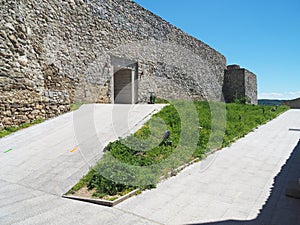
(242, 184)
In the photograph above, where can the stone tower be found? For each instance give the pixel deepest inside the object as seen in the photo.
(239, 84)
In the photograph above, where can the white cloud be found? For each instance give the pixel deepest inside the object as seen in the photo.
(280, 96)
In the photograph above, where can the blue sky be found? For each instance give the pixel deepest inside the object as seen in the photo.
(260, 35)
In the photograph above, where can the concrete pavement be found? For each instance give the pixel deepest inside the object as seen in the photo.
(241, 184)
(46, 160)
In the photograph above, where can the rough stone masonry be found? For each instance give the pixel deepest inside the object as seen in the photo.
(57, 52)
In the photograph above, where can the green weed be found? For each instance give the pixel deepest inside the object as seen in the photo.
(12, 129)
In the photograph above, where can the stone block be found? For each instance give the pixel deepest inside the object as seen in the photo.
(7, 121)
(23, 60)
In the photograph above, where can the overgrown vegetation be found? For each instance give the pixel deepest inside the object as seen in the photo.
(8, 130)
(197, 128)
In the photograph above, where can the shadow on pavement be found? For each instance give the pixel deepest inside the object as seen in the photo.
(279, 209)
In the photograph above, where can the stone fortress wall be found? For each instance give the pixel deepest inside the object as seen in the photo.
(57, 52)
(294, 104)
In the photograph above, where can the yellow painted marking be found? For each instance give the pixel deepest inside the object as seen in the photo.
(74, 149)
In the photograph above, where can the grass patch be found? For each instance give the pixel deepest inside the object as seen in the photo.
(8, 130)
(75, 106)
(197, 128)
(242, 119)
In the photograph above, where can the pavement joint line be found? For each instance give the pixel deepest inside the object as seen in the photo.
(20, 220)
(34, 189)
(137, 215)
(255, 208)
(27, 198)
(266, 186)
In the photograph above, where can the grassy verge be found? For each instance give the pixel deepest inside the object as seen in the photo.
(75, 106)
(13, 129)
(197, 128)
